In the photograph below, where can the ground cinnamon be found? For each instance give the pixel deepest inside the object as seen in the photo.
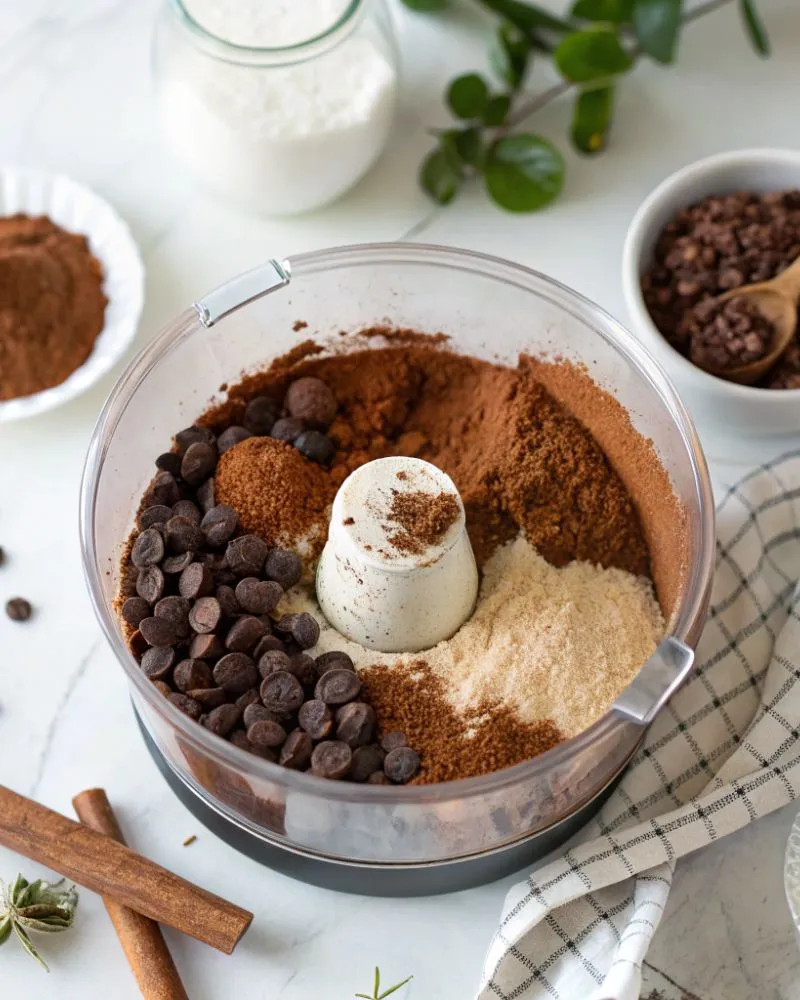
(422, 519)
(51, 304)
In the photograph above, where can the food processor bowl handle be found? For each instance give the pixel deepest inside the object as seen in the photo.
(243, 289)
(656, 682)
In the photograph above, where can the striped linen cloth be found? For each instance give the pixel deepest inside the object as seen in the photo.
(724, 752)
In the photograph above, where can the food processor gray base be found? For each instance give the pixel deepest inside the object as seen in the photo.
(376, 880)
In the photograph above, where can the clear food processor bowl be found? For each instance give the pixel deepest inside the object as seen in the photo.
(490, 308)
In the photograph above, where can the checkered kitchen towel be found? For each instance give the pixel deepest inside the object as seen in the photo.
(724, 752)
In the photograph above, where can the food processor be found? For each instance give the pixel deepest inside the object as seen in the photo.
(392, 840)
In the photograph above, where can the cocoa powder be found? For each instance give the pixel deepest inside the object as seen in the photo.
(423, 519)
(51, 304)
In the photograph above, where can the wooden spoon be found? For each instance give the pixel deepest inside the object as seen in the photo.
(777, 301)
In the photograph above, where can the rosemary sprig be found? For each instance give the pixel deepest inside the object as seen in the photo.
(376, 988)
(35, 906)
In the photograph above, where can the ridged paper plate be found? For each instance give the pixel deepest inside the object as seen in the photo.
(75, 207)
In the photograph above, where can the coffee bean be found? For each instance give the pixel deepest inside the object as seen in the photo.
(209, 698)
(287, 429)
(284, 567)
(134, 610)
(222, 720)
(378, 778)
(170, 462)
(338, 686)
(137, 644)
(335, 660)
(178, 563)
(401, 764)
(296, 751)
(260, 415)
(281, 693)
(191, 435)
(148, 549)
(162, 491)
(267, 643)
(303, 669)
(258, 597)
(355, 724)
(316, 718)
(186, 705)
(163, 688)
(195, 581)
(205, 495)
(159, 631)
(366, 761)
(272, 661)
(205, 614)
(190, 674)
(151, 516)
(311, 400)
(218, 525)
(250, 697)
(393, 740)
(246, 555)
(189, 510)
(198, 462)
(235, 672)
(266, 733)
(206, 647)
(244, 634)
(316, 447)
(232, 436)
(157, 662)
(255, 712)
(227, 601)
(331, 759)
(175, 610)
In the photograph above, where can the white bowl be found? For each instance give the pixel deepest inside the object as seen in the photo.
(719, 407)
(78, 209)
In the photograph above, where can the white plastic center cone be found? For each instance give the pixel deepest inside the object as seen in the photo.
(374, 593)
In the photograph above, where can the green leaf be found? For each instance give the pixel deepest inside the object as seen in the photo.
(524, 172)
(377, 984)
(426, 5)
(440, 176)
(466, 145)
(591, 54)
(615, 11)
(5, 927)
(509, 51)
(496, 110)
(363, 996)
(755, 29)
(27, 944)
(527, 16)
(467, 96)
(393, 989)
(591, 119)
(657, 24)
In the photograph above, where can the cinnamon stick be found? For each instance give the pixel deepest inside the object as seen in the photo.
(140, 937)
(111, 869)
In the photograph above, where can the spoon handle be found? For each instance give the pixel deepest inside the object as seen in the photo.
(788, 281)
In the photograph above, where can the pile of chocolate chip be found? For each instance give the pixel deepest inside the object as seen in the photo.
(200, 600)
(712, 247)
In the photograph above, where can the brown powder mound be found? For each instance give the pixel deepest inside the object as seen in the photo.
(277, 493)
(450, 745)
(52, 305)
(423, 519)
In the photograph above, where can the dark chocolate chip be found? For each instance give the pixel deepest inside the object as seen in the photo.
(176, 610)
(191, 435)
(266, 733)
(198, 462)
(336, 687)
(393, 740)
(170, 462)
(378, 778)
(235, 672)
(305, 630)
(180, 535)
(219, 524)
(205, 614)
(284, 567)
(227, 601)
(260, 415)
(187, 705)
(296, 751)
(303, 669)
(159, 631)
(195, 581)
(287, 429)
(316, 447)
(335, 660)
(366, 761)
(232, 436)
(163, 490)
(190, 674)
(205, 495)
(189, 510)
(206, 647)
(209, 698)
(244, 634)
(255, 712)
(246, 555)
(134, 610)
(311, 400)
(151, 516)
(163, 688)
(267, 643)
(150, 584)
(331, 759)
(259, 597)
(148, 549)
(316, 718)
(249, 697)
(401, 764)
(178, 563)
(272, 661)
(355, 724)
(157, 662)
(137, 644)
(222, 720)
(282, 693)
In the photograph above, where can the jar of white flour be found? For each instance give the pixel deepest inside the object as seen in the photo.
(281, 105)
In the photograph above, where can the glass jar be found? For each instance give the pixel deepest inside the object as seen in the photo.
(282, 128)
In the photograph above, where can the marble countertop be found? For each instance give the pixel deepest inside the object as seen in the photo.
(75, 96)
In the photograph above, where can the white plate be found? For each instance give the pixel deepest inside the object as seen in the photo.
(78, 209)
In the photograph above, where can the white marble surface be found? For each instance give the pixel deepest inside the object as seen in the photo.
(75, 96)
